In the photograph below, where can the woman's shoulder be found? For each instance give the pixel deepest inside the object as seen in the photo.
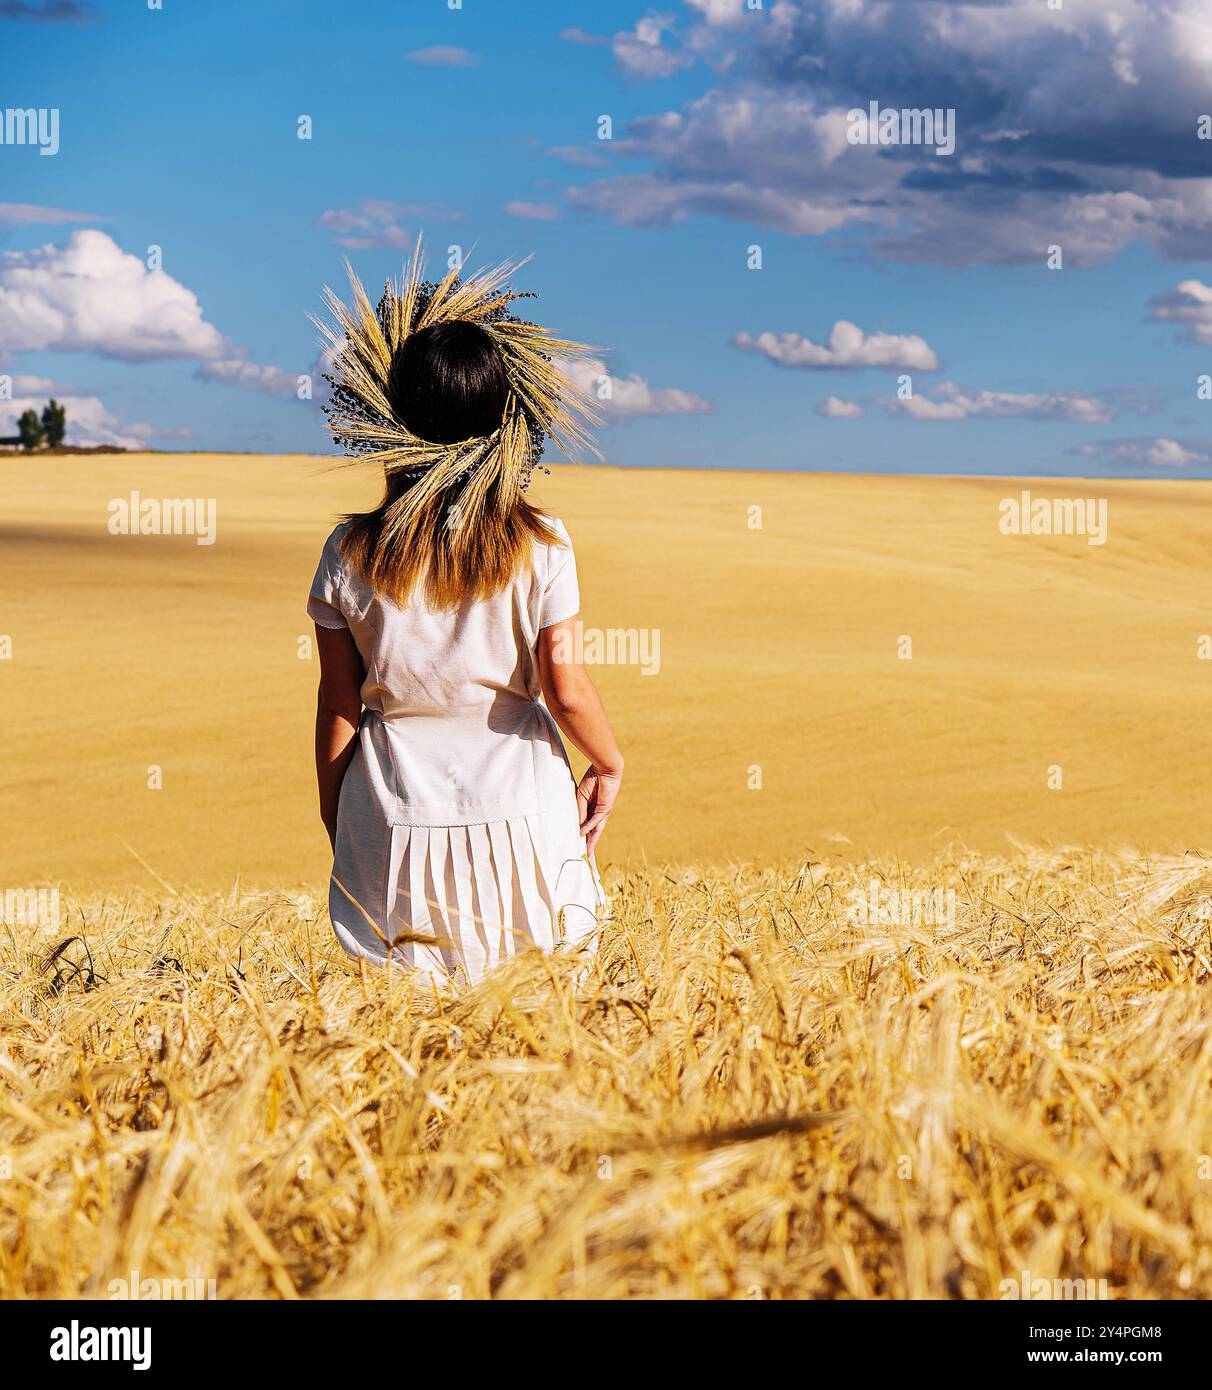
(333, 571)
(563, 539)
(550, 555)
(557, 593)
(330, 553)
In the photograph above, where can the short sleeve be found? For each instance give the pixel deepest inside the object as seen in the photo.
(324, 603)
(561, 592)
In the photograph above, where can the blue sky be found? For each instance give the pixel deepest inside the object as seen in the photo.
(1078, 127)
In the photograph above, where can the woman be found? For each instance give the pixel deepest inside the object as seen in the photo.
(441, 615)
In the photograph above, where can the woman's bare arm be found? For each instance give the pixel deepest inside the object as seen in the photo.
(338, 710)
(577, 708)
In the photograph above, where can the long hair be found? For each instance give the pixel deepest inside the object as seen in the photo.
(454, 396)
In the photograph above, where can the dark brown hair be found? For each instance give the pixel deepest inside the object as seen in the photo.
(447, 384)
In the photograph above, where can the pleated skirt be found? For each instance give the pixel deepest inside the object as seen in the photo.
(456, 901)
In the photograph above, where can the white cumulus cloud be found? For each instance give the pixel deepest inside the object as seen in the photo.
(89, 422)
(953, 403)
(641, 52)
(623, 398)
(1157, 452)
(719, 11)
(239, 371)
(1188, 303)
(834, 408)
(91, 296)
(848, 349)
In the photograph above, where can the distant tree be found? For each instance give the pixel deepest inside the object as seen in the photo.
(29, 427)
(54, 422)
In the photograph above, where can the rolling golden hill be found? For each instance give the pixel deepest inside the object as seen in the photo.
(782, 716)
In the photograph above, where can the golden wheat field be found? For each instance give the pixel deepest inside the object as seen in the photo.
(765, 1084)
(778, 651)
(746, 1095)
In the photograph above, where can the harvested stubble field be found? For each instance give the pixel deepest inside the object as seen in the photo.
(746, 1094)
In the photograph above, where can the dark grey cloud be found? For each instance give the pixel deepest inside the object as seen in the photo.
(1075, 127)
(51, 12)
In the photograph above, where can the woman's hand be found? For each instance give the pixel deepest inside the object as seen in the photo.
(596, 795)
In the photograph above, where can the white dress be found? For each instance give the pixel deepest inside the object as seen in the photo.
(457, 832)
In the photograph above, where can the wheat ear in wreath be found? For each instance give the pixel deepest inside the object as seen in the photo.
(542, 400)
